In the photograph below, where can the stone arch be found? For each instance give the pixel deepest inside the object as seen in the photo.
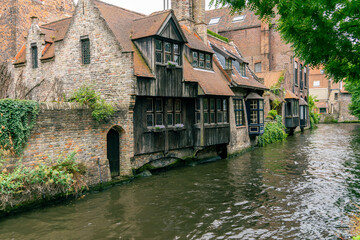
(114, 147)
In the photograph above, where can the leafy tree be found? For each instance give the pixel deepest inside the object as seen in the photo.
(321, 32)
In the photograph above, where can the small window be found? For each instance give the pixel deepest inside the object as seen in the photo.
(316, 83)
(159, 51)
(197, 111)
(336, 96)
(34, 55)
(305, 76)
(258, 67)
(228, 63)
(296, 73)
(243, 69)
(195, 59)
(238, 18)
(214, 21)
(208, 61)
(201, 60)
(85, 50)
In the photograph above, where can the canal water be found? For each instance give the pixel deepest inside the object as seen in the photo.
(301, 189)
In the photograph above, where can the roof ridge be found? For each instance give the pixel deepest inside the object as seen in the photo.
(121, 8)
(154, 14)
(63, 19)
(209, 35)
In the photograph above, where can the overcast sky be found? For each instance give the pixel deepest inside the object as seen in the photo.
(142, 6)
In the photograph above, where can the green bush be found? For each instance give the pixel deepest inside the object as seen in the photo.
(273, 132)
(65, 176)
(217, 36)
(314, 117)
(272, 114)
(17, 118)
(86, 95)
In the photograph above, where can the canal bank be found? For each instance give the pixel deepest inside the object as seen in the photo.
(299, 189)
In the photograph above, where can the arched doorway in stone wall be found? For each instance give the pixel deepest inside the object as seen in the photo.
(114, 150)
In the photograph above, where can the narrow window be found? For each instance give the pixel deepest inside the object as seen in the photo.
(206, 110)
(219, 110)
(170, 112)
(177, 58)
(159, 51)
(149, 112)
(167, 52)
(225, 110)
(254, 112)
(305, 76)
(159, 112)
(208, 61)
(177, 111)
(212, 110)
(261, 111)
(85, 50)
(336, 96)
(258, 67)
(243, 69)
(195, 59)
(296, 73)
(201, 60)
(197, 111)
(239, 112)
(301, 77)
(228, 63)
(34, 55)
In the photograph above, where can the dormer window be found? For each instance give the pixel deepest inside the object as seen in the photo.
(167, 52)
(238, 18)
(214, 21)
(228, 64)
(243, 69)
(34, 56)
(201, 60)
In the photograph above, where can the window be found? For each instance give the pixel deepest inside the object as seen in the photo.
(34, 55)
(239, 18)
(336, 96)
(173, 112)
(215, 110)
(239, 112)
(305, 77)
(149, 112)
(301, 77)
(177, 111)
(258, 67)
(197, 111)
(257, 111)
(322, 110)
(214, 21)
(85, 50)
(228, 64)
(296, 73)
(243, 69)
(161, 111)
(170, 112)
(201, 60)
(316, 83)
(159, 118)
(167, 52)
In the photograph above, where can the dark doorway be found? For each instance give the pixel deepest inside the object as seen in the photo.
(113, 152)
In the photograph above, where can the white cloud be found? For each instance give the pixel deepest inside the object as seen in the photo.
(142, 6)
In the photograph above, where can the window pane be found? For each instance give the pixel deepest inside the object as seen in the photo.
(159, 45)
(195, 63)
(253, 117)
(212, 117)
(206, 104)
(177, 118)
(85, 50)
(149, 105)
(207, 57)
(206, 117)
(34, 53)
(167, 47)
(225, 117)
(177, 105)
(258, 67)
(219, 117)
(170, 119)
(261, 114)
(208, 65)
(201, 55)
(149, 120)
(253, 104)
(159, 119)
(241, 118)
(167, 58)
(198, 117)
(212, 104)
(170, 105)
(218, 104)
(224, 104)
(159, 57)
(158, 105)
(201, 64)
(176, 48)
(177, 59)
(261, 104)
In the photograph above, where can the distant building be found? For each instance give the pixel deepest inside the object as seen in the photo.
(333, 99)
(271, 59)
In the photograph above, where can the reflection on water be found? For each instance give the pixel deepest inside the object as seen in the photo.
(300, 189)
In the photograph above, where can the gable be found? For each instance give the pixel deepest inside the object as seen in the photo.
(171, 31)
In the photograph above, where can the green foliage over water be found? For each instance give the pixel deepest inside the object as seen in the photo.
(274, 132)
(64, 176)
(17, 118)
(314, 116)
(86, 95)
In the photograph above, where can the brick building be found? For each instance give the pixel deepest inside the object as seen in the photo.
(15, 21)
(271, 59)
(333, 99)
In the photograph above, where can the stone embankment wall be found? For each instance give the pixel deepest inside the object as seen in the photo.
(66, 127)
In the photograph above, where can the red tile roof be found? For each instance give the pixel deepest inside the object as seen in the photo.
(141, 69)
(211, 82)
(194, 41)
(290, 95)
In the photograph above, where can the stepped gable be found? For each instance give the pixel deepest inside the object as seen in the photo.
(230, 49)
(194, 41)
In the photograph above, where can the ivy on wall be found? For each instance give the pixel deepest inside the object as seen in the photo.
(17, 118)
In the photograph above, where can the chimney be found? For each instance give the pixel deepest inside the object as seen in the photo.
(34, 20)
(191, 13)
